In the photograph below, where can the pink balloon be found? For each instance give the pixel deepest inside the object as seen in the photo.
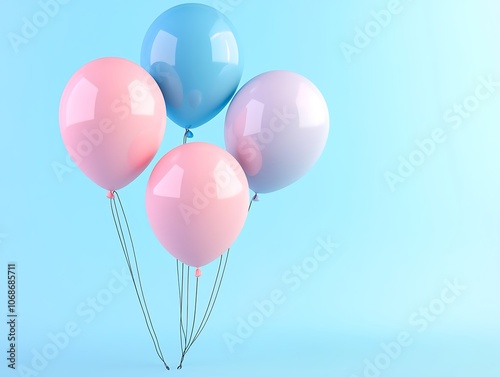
(112, 119)
(197, 202)
(276, 127)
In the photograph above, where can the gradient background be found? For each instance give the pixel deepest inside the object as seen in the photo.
(396, 248)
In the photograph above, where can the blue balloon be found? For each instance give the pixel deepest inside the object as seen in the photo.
(192, 53)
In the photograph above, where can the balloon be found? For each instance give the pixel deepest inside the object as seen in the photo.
(197, 202)
(276, 127)
(192, 53)
(112, 119)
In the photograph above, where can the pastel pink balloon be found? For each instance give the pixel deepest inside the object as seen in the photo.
(197, 202)
(276, 127)
(112, 118)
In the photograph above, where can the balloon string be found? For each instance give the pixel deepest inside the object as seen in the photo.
(221, 269)
(255, 198)
(187, 306)
(137, 282)
(195, 309)
(180, 286)
(216, 286)
(211, 304)
(221, 272)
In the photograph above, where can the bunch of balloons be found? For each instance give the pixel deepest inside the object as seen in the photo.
(113, 116)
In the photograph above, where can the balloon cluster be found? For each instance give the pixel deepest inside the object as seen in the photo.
(113, 116)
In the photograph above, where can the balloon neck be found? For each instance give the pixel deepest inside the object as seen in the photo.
(110, 195)
(187, 135)
(197, 273)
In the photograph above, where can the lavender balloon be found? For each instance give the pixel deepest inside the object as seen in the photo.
(276, 127)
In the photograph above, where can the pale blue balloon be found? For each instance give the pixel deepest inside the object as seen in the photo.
(192, 52)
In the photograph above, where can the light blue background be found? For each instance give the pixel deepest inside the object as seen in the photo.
(396, 248)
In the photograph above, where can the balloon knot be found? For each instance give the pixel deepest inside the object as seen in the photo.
(110, 195)
(197, 273)
(189, 134)
(255, 197)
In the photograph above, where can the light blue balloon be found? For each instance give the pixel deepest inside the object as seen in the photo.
(192, 53)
